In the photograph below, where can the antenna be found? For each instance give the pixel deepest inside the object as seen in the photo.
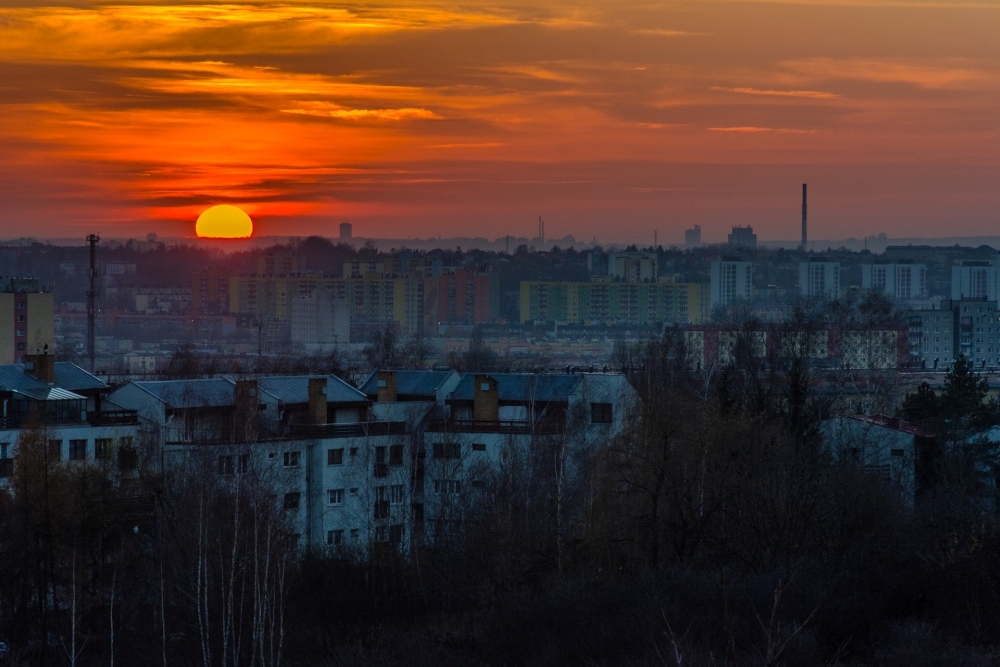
(92, 240)
(804, 235)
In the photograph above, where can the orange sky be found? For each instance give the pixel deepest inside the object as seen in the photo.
(610, 119)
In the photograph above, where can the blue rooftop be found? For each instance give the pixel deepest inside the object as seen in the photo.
(295, 389)
(410, 383)
(522, 387)
(209, 393)
(72, 377)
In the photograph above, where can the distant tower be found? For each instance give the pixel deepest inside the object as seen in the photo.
(92, 240)
(805, 239)
(346, 231)
(541, 230)
(692, 237)
(655, 240)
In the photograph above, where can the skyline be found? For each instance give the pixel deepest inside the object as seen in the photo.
(471, 119)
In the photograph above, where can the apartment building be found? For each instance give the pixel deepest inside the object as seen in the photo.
(591, 303)
(66, 409)
(819, 279)
(27, 319)
(731, 282)
(901, 282)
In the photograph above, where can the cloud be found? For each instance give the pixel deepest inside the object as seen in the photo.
(664, 32)
(488, 144)
(368, 114)
(949, 74)
(806, 94)
(750, 129)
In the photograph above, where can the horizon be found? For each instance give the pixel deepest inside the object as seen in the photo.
(445, 119)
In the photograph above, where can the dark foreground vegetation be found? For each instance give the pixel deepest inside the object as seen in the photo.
(719, 530)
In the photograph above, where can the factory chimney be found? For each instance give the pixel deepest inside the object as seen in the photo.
(804, 235)
(92, 240)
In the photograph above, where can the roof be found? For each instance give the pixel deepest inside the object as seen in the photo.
(72, 377)
(13, 377)
(295, 389)
(207, 393)
(47, 393)
(410, 383)
(514, 387)
(894, 423)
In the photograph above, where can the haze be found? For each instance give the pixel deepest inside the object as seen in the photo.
(609, 119)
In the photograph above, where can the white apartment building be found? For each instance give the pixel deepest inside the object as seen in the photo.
(897, 281)
(974, 280)
(321, 319)
(819, 279)
(731, 282)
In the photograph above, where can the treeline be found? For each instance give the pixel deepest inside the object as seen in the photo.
(719, 528)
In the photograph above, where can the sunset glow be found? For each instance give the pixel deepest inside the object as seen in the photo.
(447, 118)
(224, 222)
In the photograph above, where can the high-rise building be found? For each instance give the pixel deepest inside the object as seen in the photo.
(27, 320)
(902, 281)
(630, 267)
(819, 279)
(933, 335)
(346, 231)
(743, 237)
(974, 279)
(591, 303)
(692, 237)
(732, 281)
(321, 318)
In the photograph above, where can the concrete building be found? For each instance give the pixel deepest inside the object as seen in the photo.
(346, 231)
(978, 331)
(631, 267)
(692, 237)
(320, 319)
(972, 279)
(933, 336)
(901, 282)
(886, 447)
(743, 237)
(593, 303)
(78, 423)
(27, 319)
(732, 282)
(819, 279)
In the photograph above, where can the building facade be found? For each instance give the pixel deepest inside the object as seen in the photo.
(600, 303)
(731, 282)
(27, 319)
(819, 279)
(900, 282)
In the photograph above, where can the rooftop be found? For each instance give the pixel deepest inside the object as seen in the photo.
(522, 387)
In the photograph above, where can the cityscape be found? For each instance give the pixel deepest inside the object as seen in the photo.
(395, 334)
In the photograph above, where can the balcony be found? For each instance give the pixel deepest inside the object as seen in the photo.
(113, 418)
(511, 427)
(355, 430)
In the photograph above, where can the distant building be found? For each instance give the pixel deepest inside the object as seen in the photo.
(732, 281)
(897, 281)
(346, 231)
(630, 267)
(692, 237)
(210, 291)
(277, 262)
(593, 303)
(819, 279)
(978, 331)
(933, 334)
(743, 237)
(321, 318)
(27, 320)
(974, 279)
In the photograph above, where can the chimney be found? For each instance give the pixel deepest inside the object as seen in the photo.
(485, 399)
(804, 234)
(317, 401)
(246, 404)
(386, 387)
(41, 366)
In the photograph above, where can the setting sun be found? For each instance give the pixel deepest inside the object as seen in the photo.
(224, 222)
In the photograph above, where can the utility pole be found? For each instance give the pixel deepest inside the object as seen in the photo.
(92, 240)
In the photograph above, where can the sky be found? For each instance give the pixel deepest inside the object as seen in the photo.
(610, 119)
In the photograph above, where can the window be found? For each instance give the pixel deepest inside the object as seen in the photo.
(396, 494)
(354, 491)
(244, 463)
(6, 463)
(600, 413)
(478, 447)
(381, 533)
(102, 448)
(20, 305)
(335, 496)
(447, 486)
(334, 538)
(20, 347)
(447, 450)
(225, 465)
(380, 455)
(55, 450)
(381, 502)
(484, 386)
(335, 457)
(292, 501)
(291, 459)
(77, 450)
(20, 318)
(382, 384)
(396, 533)
(396, 455)
(20, 333)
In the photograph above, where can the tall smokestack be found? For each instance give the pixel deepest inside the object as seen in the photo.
(92, 240)
(805, 238)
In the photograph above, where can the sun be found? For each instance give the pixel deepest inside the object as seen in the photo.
(224, 222)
